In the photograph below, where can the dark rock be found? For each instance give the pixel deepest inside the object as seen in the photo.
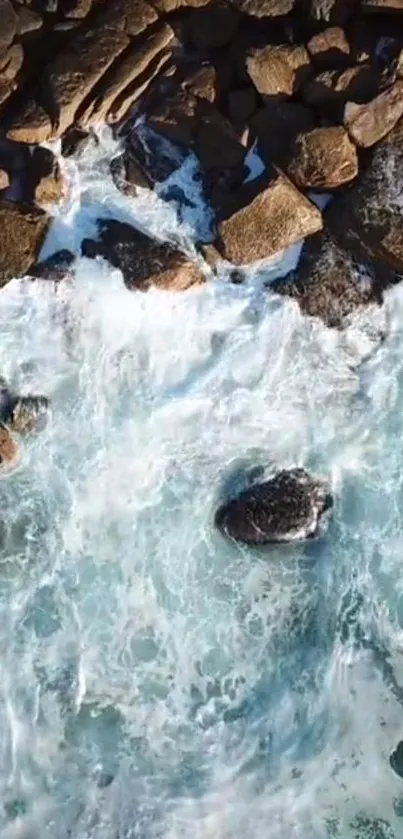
(128, 175)
(9, 450)
(276, 128)
(176, 116)
(202, 82)
(212, 27)
(264, 8)
(369, 123)
(396, 759)
(55, 268)
(157, 156)
(242, 104)
(329, 50)
(323, 159)
(28, 20)
(280, 70)
(45, 177)
(331, 11)
(8, 26)
(76, 140)
(22, 233)
(28, 414)
(142, 261)
(287, 508)
(329, 91)
(264, 217)
(216, 143)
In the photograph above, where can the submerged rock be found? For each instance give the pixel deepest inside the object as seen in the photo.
(288, 507)
(396, 759)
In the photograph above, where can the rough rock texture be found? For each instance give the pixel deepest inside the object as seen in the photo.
(278, 71)
(9, 450)
(47, 181)
(22, 233)
(4, 179)
(165, 6)
(264, 217)
(323, 159)
(55, 267)
(329, 91)
(28, 20)
(288, 507)
(367, 124)
(264, 8)
(28, 414)
(143, 261)
(202, 82)
(329, 50)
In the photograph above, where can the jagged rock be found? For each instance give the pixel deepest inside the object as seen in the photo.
(46, 177)
(22, 414)
(28, 20)
(288, 507)
(264, 8)
(128, 175)
(213, 26)
(242, 103)
(264, 217)
(369, 123)
(4, 179)
(276, 128)
(78, 9)
(329, 50)
(70, 78)
(157, 156)
(126, 74)
(202, 83)
(142, 261)
(22, 233)
(130, 96)
(329, 91)
(9, 450)
(278, 71)
(13, 63)
(323, 159)
(328, 284)
(332, 11)
(8, 26)
(55, 267)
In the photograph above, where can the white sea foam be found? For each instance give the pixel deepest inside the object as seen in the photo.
(156, 681)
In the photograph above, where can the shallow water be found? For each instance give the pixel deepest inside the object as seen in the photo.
(155, 680)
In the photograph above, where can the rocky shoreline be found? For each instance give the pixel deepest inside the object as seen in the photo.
(315, 86)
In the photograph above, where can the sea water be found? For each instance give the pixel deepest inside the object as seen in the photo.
(156, 680)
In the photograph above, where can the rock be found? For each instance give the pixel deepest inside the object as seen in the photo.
(396, 759)
(202, 83)
(165, 6)
(78, 9)
(216, 143)
(374, 6)
(323, 159)
(47, 180)
(130, 96)
(70, 78)
(126, 73)
(369, 123)
(212, 27)
(29, 414)
(288, 507)
(157, 156)
(128, 175)
(329, 50)
(4, 179)
(276, 128)
(329, 91)
(328, 284)
(264, 217)
(242, 104)
(264, 8)
(142, 261)
(76, 140)
(176, 116)
(22, 233)
(28, 20)
(8, 27)
(278, 71)
(55, 268)
(9, 451)
(14, 62)
(332, 11)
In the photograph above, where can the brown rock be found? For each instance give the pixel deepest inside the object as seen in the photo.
(78, 9)
(70, 78)
(8, 26)
(368, 123)
(28, 20)
(265, 217)
(329, 49)
(22, 233)
(48, 180)
(143, 261)
(4, 179)
(165, 6)
(123, 104)
(323, 159)
(14, 62)
(213, 26)
(6, 89)
(202, 83)
(264, 8)
(374, 6)
(176, 116)
(332, 11)
(278, 71)
(276, 128)
(123, 73)
(9, 450)
(327, 284)
(242, 104)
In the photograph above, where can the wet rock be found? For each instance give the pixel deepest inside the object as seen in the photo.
(8, 27)
(279, 71)
(46, 177)
(264, 217)
(55, 268)
(329, 50)
(165, 6)
(29, 414)
(128, 175)
(264, 8)
(143, 261)
(28, 20)
(289, 507)
(175, 116)
(369, 123)
(396, 759)
(76, 140)
(212, 27)
(4, 179)
(9, 450)
(323, 159)
(242, 104)
(328, 283)
(22, 233)
(157, 156)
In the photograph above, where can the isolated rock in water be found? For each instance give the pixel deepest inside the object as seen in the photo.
(29, 414)
(264, 217)
(9, 450)
(396, 759)
(369, 123)
(143, 261)
(288, 507)
(22, 233)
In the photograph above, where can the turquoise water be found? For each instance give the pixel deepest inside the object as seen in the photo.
(155, 680)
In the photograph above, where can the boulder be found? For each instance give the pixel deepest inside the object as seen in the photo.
(165, 6)
(330, 90)
(242, 104)
(263, 217)
(157, 156)
(22, 232)
(128, 175)
(28, 20)
(216, 142)
(329, 50)
(130, 96)
(175, 116)
(78, 9)
(276, 128)
(76, 140)
(278, 71)
(396, 759)
(323, 159)
(264, 8)
(332, 11)
(289, 507)
(45, 175)
(8, 27)
(9, 450)
(142, 261)
(14, 60)
(369, 123)
(4, 179)
(202, 82)
(213, 26)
